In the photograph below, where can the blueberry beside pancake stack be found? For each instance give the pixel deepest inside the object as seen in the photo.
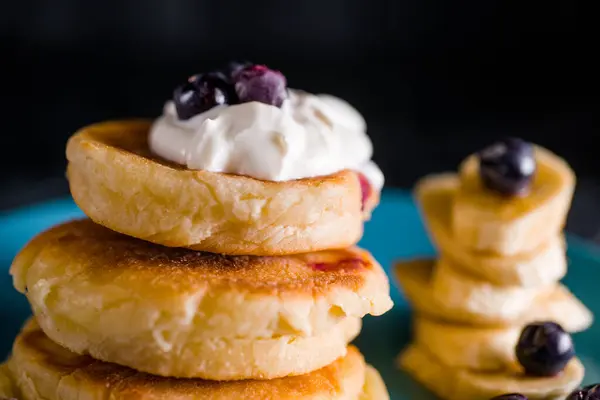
(219, 257)
(490, 314)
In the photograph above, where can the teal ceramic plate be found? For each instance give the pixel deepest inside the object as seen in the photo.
(394, 232)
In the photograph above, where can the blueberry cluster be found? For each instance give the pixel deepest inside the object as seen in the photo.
(507, 166)
(236, 83)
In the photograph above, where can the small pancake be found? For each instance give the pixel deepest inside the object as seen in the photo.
(42, 369)
(544, 265)
(467, 346)
(452, 383)
(483, 220)
(7, 390)
(161, 310)
(118, 183)
(556, 304)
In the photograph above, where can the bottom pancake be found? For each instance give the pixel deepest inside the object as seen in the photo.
(42, 369)
(451, 383)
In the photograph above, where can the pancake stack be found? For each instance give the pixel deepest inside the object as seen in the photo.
(500, 261)
(195, 285)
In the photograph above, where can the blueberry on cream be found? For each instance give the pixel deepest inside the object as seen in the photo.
(244, 120)
(508, 166)
(259, 83)
(544, 349)
(201, 93)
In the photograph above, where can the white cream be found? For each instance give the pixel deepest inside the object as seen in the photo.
(310, 135)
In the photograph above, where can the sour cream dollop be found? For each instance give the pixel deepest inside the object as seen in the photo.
(310, 135)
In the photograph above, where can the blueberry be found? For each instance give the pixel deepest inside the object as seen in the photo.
(510, 396)
(507, 166)
(544, 349)
(201, 93)
(259, 83)
(590, 392)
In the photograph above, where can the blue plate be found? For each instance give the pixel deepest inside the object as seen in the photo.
(394, 232)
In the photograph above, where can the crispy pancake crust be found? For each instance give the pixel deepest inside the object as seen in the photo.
(452, 384)
(553, 304)
(118, 183)
(41, 368)
(374, 387)
(161, 309)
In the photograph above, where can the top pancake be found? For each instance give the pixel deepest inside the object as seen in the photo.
(56, 373)
(311, 292)
(119, 183)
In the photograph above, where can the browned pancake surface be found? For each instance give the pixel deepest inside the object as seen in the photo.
(124, 382)
(105, 256)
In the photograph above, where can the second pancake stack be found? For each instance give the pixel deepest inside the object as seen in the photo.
(116, 316)
(500, 260)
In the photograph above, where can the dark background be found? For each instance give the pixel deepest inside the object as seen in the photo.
(435, 79)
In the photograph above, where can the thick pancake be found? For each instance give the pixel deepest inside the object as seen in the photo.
(485, 221)
(557, 304)
(162, 310)
(544, 265)
(466, 346)
(117, 182)
(452, 383)
(42, 369)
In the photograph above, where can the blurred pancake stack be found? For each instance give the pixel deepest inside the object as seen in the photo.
(490, 314)
(194, 284)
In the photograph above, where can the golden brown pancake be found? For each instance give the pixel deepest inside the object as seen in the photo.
(43, 369)
(178, 312)
(118, 183)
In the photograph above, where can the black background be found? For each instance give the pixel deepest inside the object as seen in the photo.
(435, 79)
